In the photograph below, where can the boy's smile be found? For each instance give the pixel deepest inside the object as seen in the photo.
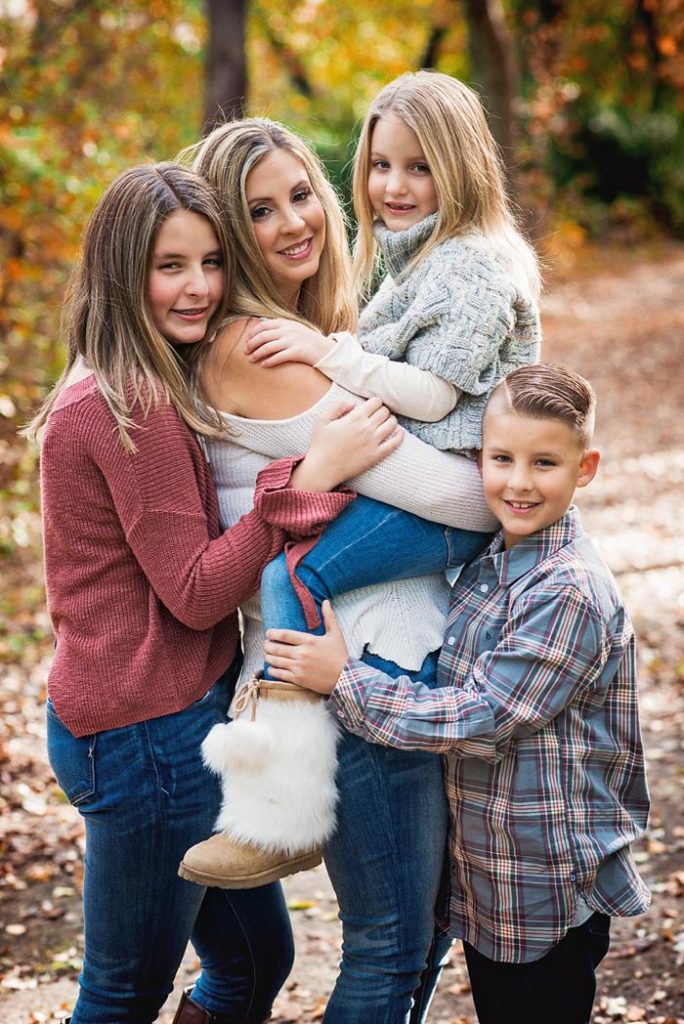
(530, 469)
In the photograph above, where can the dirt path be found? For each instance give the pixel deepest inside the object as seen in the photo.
(620, 321)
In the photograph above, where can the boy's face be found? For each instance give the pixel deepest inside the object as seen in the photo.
(530, 469)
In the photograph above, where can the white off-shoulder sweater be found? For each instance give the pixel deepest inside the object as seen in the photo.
(401, 621)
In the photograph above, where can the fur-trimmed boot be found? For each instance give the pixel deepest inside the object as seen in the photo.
(277, 760)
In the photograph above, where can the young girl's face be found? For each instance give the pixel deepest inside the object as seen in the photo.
(288, 218)
(401, 188)
(185, 282)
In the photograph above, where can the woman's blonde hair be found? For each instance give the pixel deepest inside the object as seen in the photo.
(107, 319)
(450, 125)
(225, 158)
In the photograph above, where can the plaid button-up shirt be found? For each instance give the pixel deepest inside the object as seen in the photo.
(537, 713)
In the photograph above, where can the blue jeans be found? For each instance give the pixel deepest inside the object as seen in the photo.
(385, 859)
(385, 863)
(368, 543)
(145, 798)
(560, 987)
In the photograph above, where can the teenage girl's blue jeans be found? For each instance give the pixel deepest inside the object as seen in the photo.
(385, 859)
(145, 798)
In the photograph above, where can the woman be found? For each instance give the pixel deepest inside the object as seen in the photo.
(385, 858)
(143, 590)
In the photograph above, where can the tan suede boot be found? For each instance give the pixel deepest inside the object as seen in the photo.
(230, 864)
(278, 765)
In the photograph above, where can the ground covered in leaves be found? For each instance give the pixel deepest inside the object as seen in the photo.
(618, 317)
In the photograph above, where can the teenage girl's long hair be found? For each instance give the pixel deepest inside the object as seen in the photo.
(107, 320)
(225, 158)
(450, 124)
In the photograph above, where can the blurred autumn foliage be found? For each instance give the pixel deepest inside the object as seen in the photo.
(88, 87)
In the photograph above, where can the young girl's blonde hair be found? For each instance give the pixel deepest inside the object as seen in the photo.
(450, 125)
(107, 320)
(225, 158)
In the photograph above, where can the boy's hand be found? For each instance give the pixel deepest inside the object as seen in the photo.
(271, 342)
(314, 662)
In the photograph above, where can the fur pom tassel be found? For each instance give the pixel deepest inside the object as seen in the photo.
(280, 795)
(234, 745)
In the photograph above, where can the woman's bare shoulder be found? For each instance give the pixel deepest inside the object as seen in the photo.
(235, 384)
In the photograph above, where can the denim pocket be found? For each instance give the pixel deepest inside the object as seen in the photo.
(72, 759)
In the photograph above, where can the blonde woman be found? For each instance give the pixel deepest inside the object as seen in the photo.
(385, 856)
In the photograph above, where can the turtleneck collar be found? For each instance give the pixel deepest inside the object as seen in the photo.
(399, 247)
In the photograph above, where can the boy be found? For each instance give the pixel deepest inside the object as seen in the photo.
(537, 714)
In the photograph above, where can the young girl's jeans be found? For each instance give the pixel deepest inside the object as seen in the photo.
(145, 798)
(368, 543)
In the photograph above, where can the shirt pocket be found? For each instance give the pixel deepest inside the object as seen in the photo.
(72, 759)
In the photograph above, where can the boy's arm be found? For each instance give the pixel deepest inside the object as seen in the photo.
(406, 389)
(552, 649)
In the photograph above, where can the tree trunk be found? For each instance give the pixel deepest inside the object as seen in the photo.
(495, 73)
(226, 62)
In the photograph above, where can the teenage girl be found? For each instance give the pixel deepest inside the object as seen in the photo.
(143, 589)
(385, 856)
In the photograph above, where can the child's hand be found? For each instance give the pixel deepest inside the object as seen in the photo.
(347, 442)
(271, 342)
(314, 662)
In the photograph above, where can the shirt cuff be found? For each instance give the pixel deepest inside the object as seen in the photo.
(301, 513)
(347, 702)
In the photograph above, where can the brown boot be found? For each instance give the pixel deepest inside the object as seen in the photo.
(227, 863)
(190, 1012)
(278, 764)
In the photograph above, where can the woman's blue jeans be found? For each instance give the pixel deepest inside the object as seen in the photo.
(385, 859)
(385, 864)
(145, 798)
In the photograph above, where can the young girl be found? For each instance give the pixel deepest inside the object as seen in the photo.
(385, 856)
(456, 312)
(143, 590)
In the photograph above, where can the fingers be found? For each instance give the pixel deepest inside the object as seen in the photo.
(329, 618)
(338, 412)
(287, 636)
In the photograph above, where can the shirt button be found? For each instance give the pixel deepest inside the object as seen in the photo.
(484, 588)
(340, 714)
(451, 640)
(573, 877)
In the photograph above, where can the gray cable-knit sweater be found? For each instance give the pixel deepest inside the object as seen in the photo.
(460, 314)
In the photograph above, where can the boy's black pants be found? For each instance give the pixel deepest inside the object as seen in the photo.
(559, 988)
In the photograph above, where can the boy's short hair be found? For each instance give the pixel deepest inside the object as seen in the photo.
(549, 391)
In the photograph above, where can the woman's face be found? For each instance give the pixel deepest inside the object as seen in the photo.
(185, 282)
(289, 221)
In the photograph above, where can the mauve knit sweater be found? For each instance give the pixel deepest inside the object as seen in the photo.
(142, 586)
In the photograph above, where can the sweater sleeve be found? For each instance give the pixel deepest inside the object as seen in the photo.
(157, 494)
(475, 311)
(407, 390)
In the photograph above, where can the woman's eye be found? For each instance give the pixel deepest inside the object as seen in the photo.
(380, 165)
(213, 261)
(501, 458)
(545, 463)
(169, 266)
(421, 168)
(259, 212)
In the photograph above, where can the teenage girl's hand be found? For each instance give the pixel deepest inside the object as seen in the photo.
(314, 662)
(271, 342)
(345, 442)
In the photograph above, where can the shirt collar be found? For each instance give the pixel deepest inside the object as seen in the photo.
(399, 247)
(530, 551)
